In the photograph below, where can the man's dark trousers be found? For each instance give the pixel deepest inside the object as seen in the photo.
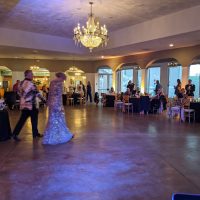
(24, 116)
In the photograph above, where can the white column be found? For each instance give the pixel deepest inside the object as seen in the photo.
(164, 77)
(17, 75)
(114, 80)
(143, 84)
(185, 75)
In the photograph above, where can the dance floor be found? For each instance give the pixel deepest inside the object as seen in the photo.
(114, 156)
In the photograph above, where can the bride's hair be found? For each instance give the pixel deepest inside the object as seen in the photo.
(61, 75)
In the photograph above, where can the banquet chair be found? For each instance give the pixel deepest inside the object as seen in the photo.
(126, 104)
(118, 102)
(70, 99)
(174, 109)
(80, 100)
(187, 112)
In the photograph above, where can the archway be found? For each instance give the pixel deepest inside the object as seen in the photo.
(128, 72)
(41, 77)
(74, 77)
(5, 79)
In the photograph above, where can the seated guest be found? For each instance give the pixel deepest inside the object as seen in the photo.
(162, 98)
(80, 90)
(111, 91)
(136, 93)
(44, 91)
(96, 98)
(128, 92)
(190, 88)
(185, 103)
(181, 93)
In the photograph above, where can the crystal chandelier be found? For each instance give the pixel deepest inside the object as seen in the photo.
(92, 35)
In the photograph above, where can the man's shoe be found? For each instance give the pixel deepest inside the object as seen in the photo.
(16, 138)
(38, 135)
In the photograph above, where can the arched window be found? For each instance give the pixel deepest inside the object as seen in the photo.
(104, 79)
(153, 74)
(175, 72)
(128, 73)
(194, 75)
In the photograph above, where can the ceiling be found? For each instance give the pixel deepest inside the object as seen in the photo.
(58, 18)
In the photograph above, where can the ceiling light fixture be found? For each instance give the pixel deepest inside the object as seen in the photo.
(173, 64)
(171, 45)
(92, 35)
(35, 67)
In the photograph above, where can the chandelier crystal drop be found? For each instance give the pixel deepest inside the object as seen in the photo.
(93, 35)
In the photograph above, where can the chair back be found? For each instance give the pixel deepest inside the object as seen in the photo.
(126, 98)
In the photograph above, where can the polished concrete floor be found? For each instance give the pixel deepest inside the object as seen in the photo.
(114, 156)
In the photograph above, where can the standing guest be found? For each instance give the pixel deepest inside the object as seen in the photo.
(56, 131)
(83, 88)
(16, 89)
(190, 88)
(16, 86)
(89, 91)
(158, 87)
(178, 88)
(28, 93)
(131, 86)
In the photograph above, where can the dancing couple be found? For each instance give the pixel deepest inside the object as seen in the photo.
(56, 130)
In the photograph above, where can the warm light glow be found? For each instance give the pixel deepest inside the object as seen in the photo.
(92, 35)
(77, 74)
(84, 77)
(73, 69)
(102, 57)
(171, 45)
(34, 67)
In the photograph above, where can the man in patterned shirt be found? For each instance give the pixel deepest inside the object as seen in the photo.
(28, 93)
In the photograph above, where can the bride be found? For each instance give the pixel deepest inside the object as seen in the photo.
(56, 130)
